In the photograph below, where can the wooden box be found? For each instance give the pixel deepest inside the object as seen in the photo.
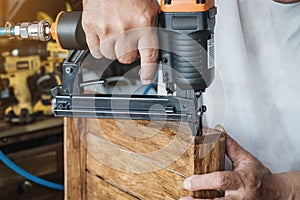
(123, 159)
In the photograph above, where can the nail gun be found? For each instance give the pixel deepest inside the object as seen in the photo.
(186, 66)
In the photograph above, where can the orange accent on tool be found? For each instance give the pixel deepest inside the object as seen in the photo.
(186, 6)
(54, 31)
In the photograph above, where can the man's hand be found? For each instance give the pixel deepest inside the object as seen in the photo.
(250, 180)
(119, 29)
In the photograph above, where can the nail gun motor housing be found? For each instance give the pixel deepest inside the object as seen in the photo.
(187, 42)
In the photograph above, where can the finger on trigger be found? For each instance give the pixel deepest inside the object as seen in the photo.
(148, 65)
(148, 49)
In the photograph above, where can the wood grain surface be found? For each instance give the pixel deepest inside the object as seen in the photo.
(122, 159)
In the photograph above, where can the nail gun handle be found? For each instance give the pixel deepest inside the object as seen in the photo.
(187, 42)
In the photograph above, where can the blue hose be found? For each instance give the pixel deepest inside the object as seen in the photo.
(27, 175)
(2, 31)
(148, 88)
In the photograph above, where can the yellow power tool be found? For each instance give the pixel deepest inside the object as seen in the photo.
(31, 76)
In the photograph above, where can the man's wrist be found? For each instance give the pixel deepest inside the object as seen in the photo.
(283, 186)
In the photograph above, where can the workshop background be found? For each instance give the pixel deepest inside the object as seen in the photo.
(29, 135)
(34, 145)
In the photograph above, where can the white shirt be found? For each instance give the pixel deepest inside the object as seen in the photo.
(256, 94)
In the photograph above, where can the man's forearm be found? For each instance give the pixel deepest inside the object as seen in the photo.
(288, 184)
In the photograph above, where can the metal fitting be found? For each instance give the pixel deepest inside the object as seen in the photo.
(27, 30)
(8, 30)
(35, 31)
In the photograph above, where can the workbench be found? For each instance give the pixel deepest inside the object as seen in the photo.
(123, 159)
(38, 149)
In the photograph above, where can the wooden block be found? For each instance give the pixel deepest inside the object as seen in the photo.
(209, 156)
(98, 188)
(166, 144)
(147, 160)
(74, 161)
(159, 184)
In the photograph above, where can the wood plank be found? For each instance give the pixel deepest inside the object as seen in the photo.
(146, 137)
(133, 172)
(98, 188)
(166, 144)
(74, 159)
(160, 184)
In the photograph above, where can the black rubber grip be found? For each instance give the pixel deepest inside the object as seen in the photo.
(186, 43)
(70, 32)
(189, 61)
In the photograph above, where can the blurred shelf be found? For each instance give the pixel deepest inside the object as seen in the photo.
(38, 149)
